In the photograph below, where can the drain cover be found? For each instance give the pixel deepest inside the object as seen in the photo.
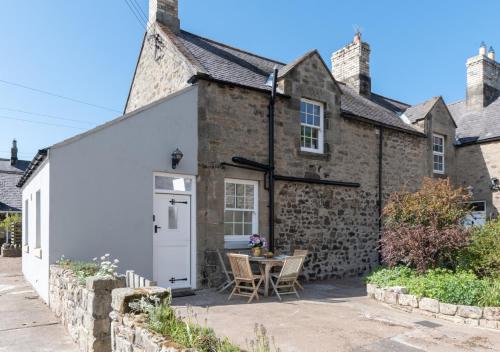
(427, 324)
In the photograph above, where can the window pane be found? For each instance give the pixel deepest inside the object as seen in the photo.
(310, 119)
(230, 203)
(240, 203)
(238, 216)
(173, 183)
(316, 121)
(249, 202)
(228, 229)
(228, 216)
(303, 117)
(309, 108)
(240, 190)
(172, 217)
(230, 188)
(238, 229)
(302, 106)
(317, 110)
(247, 228)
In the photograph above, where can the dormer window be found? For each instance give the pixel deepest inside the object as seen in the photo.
(438, 153)
(311, 126)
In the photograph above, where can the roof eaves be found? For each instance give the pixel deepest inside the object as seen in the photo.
(37, 160)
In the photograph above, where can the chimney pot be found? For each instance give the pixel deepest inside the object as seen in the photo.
(482, 49)
(13, 153)
(491, 53)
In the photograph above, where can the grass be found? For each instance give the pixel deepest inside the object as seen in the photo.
(459, 287)
(82, 270)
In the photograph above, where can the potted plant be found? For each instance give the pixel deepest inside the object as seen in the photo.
(256, 243)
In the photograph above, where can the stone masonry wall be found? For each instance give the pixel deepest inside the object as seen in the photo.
(83, 310)
(128, 331)
(478, 163)
(398, 297)
(338, 225)
(159, 72)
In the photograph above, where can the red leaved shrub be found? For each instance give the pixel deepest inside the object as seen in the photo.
(424, 229)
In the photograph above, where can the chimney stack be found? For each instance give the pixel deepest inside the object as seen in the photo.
(483, 79)
(13, 153)
(351, 65)
(165, 12)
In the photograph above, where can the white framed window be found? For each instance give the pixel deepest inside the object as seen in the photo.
(438, 153)
(38, 221)
(240, 209)
(311, 126)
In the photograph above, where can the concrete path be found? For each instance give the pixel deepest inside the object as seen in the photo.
(26, 323)
(334, 316)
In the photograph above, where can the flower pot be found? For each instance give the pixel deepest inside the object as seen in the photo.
(256, 251)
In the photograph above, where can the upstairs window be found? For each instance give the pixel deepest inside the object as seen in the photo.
(311, 126)
(438, 153)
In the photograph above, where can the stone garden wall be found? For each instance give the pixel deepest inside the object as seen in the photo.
(397, 297)
(83, 309)
(128, 332)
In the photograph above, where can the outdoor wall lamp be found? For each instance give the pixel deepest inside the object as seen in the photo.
(176, 157)
(495, 184)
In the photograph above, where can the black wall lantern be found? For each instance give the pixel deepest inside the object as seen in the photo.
(176, 157)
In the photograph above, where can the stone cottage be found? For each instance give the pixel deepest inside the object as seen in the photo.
(339, 151)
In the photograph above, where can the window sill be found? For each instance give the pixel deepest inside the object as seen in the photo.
(37, 252)
(313, 155)
(236, 242)
(26, 248)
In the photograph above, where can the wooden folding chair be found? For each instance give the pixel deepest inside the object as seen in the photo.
(244, 279)
(303, 252)
(228, 274)
(284, 283)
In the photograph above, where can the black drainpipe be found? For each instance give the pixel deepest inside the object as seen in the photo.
(271, 160)
(380, 165)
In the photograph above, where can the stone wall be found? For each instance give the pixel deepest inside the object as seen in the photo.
(159, 72)
(478, 163)
(83, 309)
(398, 297)
(128, 333)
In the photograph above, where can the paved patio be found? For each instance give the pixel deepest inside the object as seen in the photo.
(335, 316)
(26, 323)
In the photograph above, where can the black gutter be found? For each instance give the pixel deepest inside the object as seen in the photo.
(242, 167)
(380, 124)
(37, 160)
(270, 172)
(254, 164)
(206, 77)
(316, 181)
(379, 201)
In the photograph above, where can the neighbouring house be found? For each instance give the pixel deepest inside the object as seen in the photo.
(189, 169)
(11, 171)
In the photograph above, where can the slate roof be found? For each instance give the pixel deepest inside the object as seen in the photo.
(10, 195)
(232, 65)
(420, 111)
(476, 126)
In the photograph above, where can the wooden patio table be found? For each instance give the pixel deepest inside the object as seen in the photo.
(265, 265)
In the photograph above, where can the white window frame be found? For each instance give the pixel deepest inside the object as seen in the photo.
(38, 219)
(438, 153)
(255, 217)
(320, 148)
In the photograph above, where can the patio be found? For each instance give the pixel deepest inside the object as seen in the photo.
(333, 315)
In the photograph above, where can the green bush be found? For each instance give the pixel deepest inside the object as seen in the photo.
(483, 254)
(460, 287)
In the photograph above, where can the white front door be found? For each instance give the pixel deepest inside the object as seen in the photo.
(172, 240)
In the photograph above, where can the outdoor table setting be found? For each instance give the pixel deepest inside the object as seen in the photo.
(247, 283)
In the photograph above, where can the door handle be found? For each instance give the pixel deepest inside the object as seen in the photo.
(156, 228)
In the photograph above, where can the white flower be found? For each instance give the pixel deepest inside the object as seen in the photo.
(95, 259)
(103, 257)
(116, 261)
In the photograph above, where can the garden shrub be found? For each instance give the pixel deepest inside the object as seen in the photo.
(483, 254)
(103, 268)
(424, 229)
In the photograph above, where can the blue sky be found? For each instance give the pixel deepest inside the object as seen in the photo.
(87, 50)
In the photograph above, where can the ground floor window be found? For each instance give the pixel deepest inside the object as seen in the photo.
(477, 216)
(240, 208)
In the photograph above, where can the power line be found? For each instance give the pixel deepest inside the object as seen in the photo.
(58, 95)
(136, 15)
(45, 115)
(39, 122)
(148, 24)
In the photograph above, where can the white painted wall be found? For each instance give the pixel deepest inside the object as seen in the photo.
(102, 182)
(36, 268)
